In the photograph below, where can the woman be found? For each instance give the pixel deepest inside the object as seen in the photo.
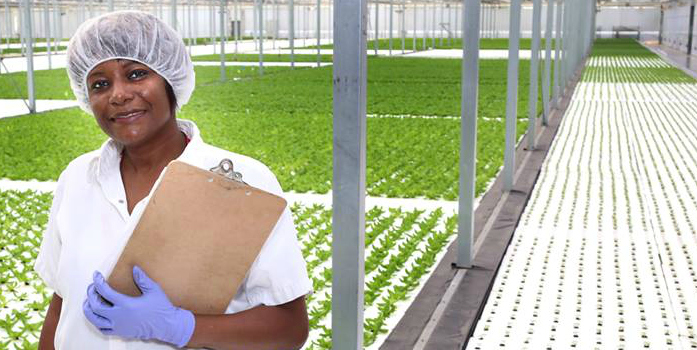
(132, 72)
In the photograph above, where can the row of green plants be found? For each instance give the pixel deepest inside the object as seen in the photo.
(401, 248)
(23, 296)
(284, 120)
(38, 49)
(248, 57)
(438, 43)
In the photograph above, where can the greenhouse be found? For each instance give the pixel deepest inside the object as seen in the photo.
(474, 174)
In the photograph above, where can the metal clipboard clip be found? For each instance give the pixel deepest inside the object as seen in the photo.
(226, 169)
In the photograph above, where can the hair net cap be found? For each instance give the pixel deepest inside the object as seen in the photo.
(132, 35)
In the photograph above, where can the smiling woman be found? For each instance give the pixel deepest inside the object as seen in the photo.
(131, 71)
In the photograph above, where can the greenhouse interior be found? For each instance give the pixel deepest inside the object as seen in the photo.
(444, 164)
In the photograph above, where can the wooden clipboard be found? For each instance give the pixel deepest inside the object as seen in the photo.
(198, 236)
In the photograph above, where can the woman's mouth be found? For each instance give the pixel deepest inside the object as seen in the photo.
(126, 118)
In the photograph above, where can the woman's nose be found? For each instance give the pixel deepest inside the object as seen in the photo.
(120, 93)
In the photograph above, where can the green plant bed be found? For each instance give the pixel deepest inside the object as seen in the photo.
(207, 41)
(54, 84)
(37, 49)
(454, 43)
(635, 75)
(267, 58)
(620, 47)
(627, 61)
(401, 249)
(23, 296)
(284, 120)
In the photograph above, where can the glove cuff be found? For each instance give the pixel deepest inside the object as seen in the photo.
(184, 327)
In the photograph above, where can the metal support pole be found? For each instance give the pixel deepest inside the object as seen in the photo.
(56, 18)
(413, 32)
(468, 134)
(403, 24)
(255, 20)
(557, 49)
(238, 24)
(194, 32)
(390, 26)
(319, 30)
(211, 19)
(8, 24)
(691, 28)
(348, 188)
(548, 63)
(424, 32)
(261, 37)
(276, 23)
(433, 27)
(512, 95)
(22, 33)
(223, 4)
(442, 21)
(47, 28)
(173, 14)
(562, 50)
(111, 5)
(188, 22)
(291, 27)
(377, 31)
(534, 72)
(494, 19)
(660, 27)
(30, 55)
(457, 20)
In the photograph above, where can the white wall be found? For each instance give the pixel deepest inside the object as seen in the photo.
(676, 22)
(205, 20)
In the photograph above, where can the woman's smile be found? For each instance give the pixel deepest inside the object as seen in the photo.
(128, 117)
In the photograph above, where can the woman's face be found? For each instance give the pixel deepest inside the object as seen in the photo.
(129, 101)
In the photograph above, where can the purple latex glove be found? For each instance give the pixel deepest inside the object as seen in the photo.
(149, 316)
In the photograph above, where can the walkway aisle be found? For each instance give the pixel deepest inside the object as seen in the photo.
(602, 257)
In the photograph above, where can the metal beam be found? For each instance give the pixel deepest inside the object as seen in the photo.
(468, 134)
(548, 63)
(222, 40)
(512, 95)
(691, 28)
(30, 56)
(377, 30)
(534, 72)
(557, 52)
(319, 30)
(390, 26)
(47, 28)
(349, 160)
(173, 14)
(261, 37)
(291, 27)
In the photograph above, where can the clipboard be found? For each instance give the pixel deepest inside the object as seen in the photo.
(198, 236)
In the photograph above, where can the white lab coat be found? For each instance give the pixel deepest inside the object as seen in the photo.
(89, 224)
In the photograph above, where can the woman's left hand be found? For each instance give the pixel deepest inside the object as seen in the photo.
(149, 316)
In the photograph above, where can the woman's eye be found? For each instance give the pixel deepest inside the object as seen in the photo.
(137, 74)
(99, 84)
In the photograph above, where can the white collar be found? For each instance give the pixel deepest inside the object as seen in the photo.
(108, 158)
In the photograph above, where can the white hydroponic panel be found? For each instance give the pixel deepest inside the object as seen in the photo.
(602, 257)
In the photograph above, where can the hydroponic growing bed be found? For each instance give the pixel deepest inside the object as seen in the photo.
(603, 256)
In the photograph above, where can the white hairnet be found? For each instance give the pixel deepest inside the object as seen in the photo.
(132, 35)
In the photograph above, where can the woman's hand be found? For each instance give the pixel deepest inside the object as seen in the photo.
(149, 316)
